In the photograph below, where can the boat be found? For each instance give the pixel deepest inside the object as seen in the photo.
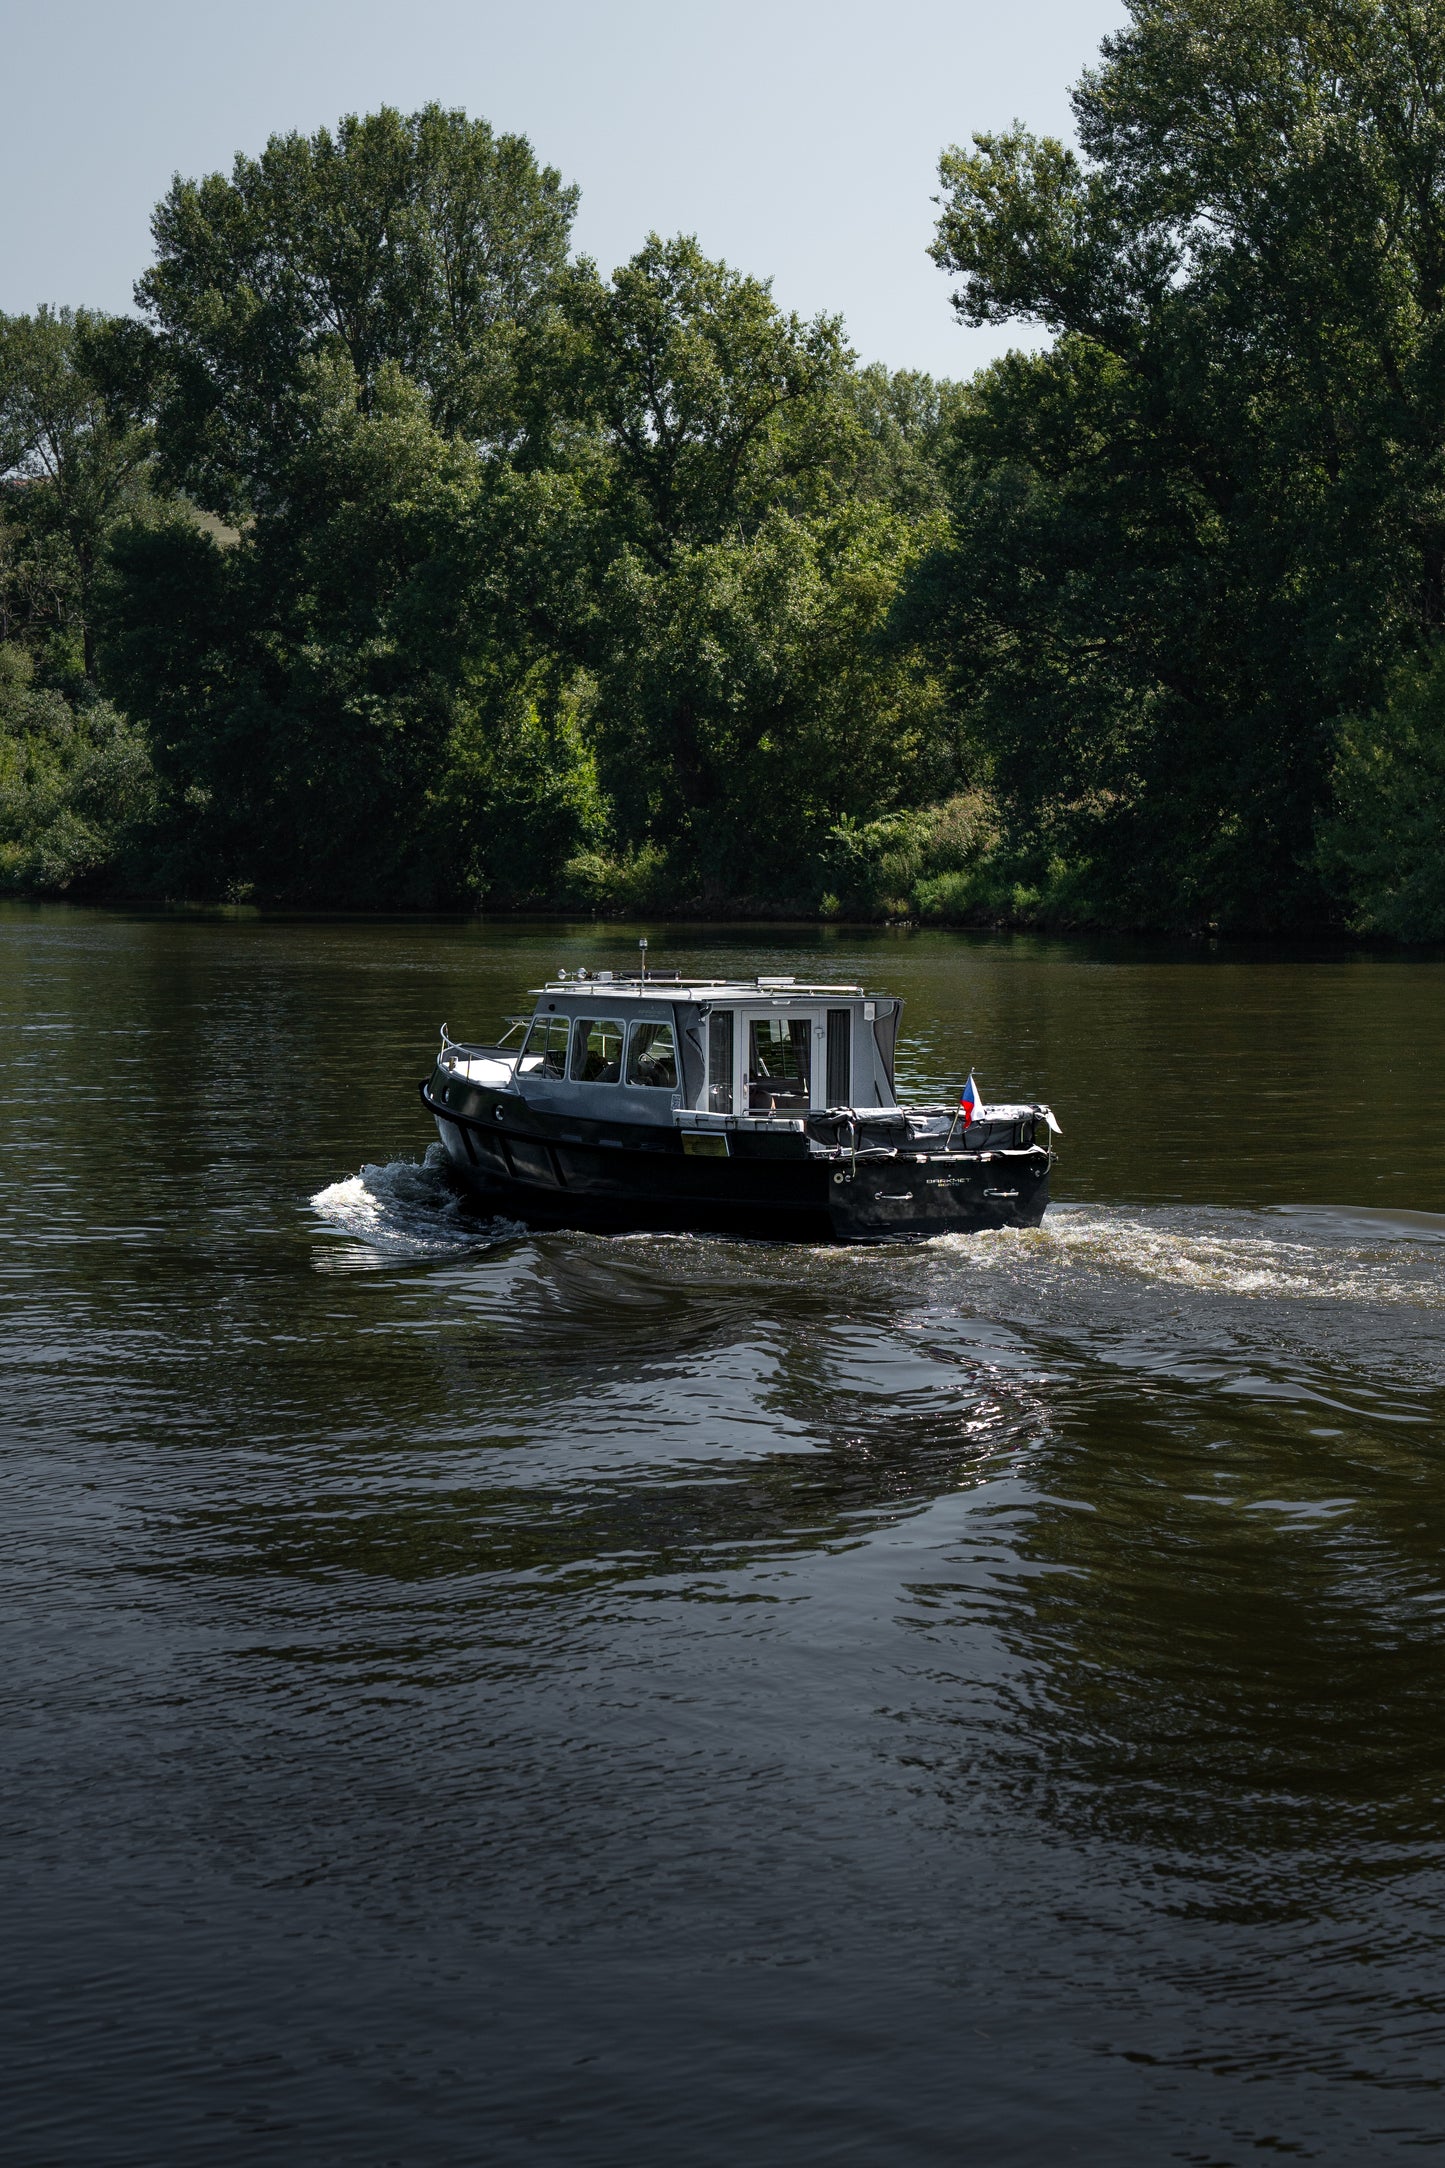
(764, 1107)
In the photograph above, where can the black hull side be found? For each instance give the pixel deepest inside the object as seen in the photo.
(556, 1173)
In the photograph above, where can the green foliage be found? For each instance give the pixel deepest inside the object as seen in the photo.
(1212, 517)
(626, 884)
(74, 455)
(748, 701)
(739, 535)
(546, 586)
(715, 407)
(483, 577)
(521, 811)
(76, 789)
(932, 861)
(331, 717)
(892, 453)
(1386, 839)
(424, 244)
(1144, 706)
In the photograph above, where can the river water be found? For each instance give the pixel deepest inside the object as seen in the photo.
(477, 1697)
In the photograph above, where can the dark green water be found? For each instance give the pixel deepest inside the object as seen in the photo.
(478, 1698)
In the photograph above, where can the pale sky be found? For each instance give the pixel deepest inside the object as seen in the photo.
(798, 139)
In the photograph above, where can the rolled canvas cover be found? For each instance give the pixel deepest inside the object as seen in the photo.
(691, 1046)
(885, 1031)
(840, 1057)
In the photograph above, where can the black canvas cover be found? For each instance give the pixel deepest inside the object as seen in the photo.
(692, 1047)
(840, 1057)
(885, 1031)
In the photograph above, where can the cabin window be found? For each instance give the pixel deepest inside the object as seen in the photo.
(778, 1063)
(596, 1050)
(545, 1053)
(720, 1062)
(652, 1056)
(840, 1062)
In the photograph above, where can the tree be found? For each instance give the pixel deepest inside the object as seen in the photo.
(1385, 840)
(1213, 517)
(526, 566)
(733, 617)
(75, 450)
(715, 407)
(902, 420)
(339, 708)
(423, 243)
(753, 702)
(355, 700)
(76, 787)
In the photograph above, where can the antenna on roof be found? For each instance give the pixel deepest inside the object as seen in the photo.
(642, 944)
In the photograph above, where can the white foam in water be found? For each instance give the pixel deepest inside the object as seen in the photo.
(405, 1209)
(1366, 1261)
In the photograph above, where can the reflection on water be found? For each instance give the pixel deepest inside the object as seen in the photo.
(474, 1694)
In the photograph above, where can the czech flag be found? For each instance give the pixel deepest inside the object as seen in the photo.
(970, 1101)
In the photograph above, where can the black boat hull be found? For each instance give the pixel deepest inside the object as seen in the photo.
(553, 1172)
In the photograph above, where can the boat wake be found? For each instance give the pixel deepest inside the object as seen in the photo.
(405, 1209)
(409, 1209)
(1351, 1255)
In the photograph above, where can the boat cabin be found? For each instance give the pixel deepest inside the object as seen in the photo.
(724, 1052)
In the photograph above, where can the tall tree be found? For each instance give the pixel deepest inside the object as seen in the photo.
(715, 406)
(422, 242)
(753, 702)
(342, 705)
(1214, 515)
(75, 448)
(516, 540)
(745, 698)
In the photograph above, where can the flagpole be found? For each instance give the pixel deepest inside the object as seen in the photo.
(975, 1105)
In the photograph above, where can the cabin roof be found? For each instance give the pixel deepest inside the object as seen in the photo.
(671, 986)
